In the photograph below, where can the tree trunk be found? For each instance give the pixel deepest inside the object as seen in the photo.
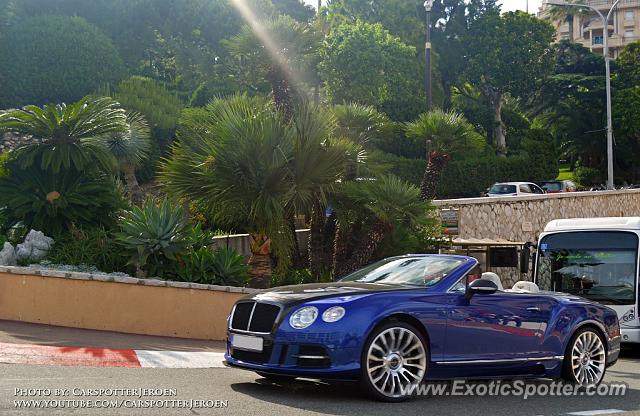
(133, 187)
(570, 22)
(432, 174)
(499, 129)
(298, 261)
(316, 241)
(281, 91)
(328, 238)
(363, 253)
(260, 262)
(340, 250)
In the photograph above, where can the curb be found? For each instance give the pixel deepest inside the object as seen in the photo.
(104, 357)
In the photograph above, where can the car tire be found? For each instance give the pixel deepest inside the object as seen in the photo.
(276, 378)
(585, 359)
(395, 357)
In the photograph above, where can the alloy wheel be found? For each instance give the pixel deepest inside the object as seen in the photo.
(588, 359)
(396, 359)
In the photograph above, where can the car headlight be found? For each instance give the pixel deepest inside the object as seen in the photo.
(333, 314)
(303, 317)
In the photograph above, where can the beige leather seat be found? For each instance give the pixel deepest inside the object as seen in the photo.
(526, 287)
(494, 278)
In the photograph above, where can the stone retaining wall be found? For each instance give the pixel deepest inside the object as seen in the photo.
(112, 303)
(524, 218)
(11, 141)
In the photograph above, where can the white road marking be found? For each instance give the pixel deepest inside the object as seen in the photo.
(180, 359)
(596, 412)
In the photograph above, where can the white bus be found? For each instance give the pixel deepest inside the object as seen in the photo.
(596, 258)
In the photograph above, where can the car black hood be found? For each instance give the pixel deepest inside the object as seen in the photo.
(290, 295)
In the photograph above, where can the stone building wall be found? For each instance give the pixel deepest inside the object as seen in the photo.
(522, 219)
(11, 141)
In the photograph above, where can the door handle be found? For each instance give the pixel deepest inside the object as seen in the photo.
(533, 309)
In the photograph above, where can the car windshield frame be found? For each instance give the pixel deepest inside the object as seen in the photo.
(506, 189)
(407, 271)
(557, 186)
(597, 265)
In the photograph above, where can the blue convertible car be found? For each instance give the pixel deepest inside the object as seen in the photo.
(420, 317)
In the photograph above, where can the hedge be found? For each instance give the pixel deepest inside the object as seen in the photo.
(52, 59)
(470, 178)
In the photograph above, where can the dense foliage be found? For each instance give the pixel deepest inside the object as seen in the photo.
(51, 59)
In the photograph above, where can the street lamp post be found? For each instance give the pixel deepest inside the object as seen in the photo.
(428, 4)
(605, 28)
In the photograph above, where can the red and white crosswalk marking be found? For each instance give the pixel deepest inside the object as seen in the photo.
(104, 357)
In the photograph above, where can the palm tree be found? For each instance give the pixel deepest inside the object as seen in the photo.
(71, 136)
(318, 162)
(388, 202)
(130, 148)
(240, 169)
(568, 14)
(277, 50)
(447, 134)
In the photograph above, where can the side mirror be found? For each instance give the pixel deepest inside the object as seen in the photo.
(481, 286)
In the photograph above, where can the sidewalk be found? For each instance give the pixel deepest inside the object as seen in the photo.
(12, 332)
(36, 344)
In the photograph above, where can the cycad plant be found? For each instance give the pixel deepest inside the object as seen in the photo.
(446, 135)
(130, 148)
(52, 203)
(70, 136)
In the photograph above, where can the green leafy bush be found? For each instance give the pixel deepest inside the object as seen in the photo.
(155, 235)
(223, 266)
(49, 59)
(587, 176)
(292, 277)
(89, 247)
(51, 203)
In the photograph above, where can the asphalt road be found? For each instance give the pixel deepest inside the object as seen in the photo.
(245, 393)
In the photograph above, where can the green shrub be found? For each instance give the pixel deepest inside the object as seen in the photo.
(587, 176)
(154, 235)
(223, 266)
(150, 98)
(41, 200)
(160, 107)
(292, 277)
(50, 59)
(89, 247)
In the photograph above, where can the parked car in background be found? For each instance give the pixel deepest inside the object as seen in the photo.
(514, 189)
(556, 187)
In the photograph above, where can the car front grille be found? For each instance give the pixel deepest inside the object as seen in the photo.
(252, 356)
(254, 317)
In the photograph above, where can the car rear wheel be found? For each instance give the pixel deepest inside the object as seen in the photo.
(585, 358)
(394, 360)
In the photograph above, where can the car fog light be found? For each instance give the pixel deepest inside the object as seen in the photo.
(333, 314)
(304, 317)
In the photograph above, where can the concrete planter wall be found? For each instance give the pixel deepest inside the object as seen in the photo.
(122, 304)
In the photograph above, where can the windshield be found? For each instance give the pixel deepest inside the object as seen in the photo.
(412, 271)
(600, 266)
(503, 189)
(552, 186)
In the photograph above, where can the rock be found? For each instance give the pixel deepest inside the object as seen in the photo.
(8, 255)
(35, 247)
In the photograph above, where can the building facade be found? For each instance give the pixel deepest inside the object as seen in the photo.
(587, 29)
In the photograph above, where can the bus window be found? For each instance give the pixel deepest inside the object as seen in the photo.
(600, 266)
